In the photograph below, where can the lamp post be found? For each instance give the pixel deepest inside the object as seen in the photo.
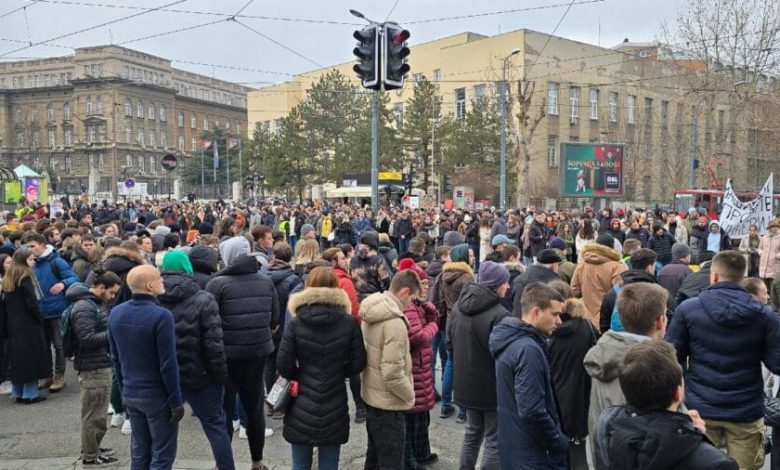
(502, 176)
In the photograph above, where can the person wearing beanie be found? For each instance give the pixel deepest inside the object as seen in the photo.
(200, 351)
(307, 232)
(599, 270)
(565, 267)
(205, 228)
(698, 237)
(423, 325)
(455, 275)
(672, 276)
(476, 312)
(661, 242)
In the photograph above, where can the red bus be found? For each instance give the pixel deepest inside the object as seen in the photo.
(710, 199)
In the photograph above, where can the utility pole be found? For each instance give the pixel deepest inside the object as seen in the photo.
(374, 152)
(694, 145)
(114, 169)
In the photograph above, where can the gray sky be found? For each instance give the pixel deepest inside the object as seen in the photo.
(320, 39)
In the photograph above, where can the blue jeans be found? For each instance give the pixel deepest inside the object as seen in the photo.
(206, 403)
(27, 390)
(439, 348)
(328, 457)
(403, 244)
(153, 438)
(447, 381)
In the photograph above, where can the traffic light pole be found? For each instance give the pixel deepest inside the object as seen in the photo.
(374, 153)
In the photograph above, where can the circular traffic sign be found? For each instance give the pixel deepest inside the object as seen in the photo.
(129, 183)
(169, 162)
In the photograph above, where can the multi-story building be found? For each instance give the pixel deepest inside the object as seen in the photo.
(578, 93)
(109, 111)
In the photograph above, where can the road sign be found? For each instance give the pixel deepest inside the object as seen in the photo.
(169, 162)
(129, 182)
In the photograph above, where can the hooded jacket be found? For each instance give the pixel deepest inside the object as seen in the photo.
(698, 239)
(81, 262)
(454, 277)
(204, 264)
(724, 242)
(627, 438)
(120, 261)
(603, 363)
(248, 306)
(477, 311)
(387, 381)
(695, 283)
(89, 320)
(769, 261)
(200, 350)
(52, 305)
(348, 286)
(534, 273)
(322, 345)
(640, 234)
(595, 276)
(529, 423)
(285, 279)
(662, 245)
(722, 337)
(628, 277)
(369, 272)
(423, 326)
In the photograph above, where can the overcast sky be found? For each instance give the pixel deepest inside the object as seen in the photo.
(292, 36)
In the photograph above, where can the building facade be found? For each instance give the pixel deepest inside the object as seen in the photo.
(107, 112)
(575, 92)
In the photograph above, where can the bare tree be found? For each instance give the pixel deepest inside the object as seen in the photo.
(522, 132)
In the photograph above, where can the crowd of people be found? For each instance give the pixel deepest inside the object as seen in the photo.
(649, 336)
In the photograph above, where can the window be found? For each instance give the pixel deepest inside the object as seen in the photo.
(193, 121)
(20, 140)
(101, 133)
(612, 100)
(648, 111)
(90, 134)
(664, 114)
(68, 137)
(52, 138)
(129, 107)
(35, 141)
(460, 103)
(151, 139)
(417, 78)
(163, 140)
(594, 103)
(277, 126)
(128, 135)
(163, 115)
(181, 119)
(33, 113)
(50, 112)
(480, 92)
(151, 112)
(398, 111)
(437, 75)
(152, 165)
(216, 124)
(139, 137)
(205, 123)
(99, 104)
(552, 156)
(68, 164)
(89, 105)
(91, 161)
(630, 109)
(141, 164)
(574, 103)
(139, 109)
(181, 143)
(101, 163)
(128, 160)
(18, 112)
(194, 144)
(227, 126)
(552, 98)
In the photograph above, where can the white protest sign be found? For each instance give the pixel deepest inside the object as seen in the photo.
(736, 217)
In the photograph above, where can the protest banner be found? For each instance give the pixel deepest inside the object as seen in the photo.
(737, 216)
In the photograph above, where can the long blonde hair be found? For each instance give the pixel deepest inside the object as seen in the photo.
(18, 271)
(310, 251)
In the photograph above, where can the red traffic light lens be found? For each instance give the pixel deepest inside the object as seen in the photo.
(401, 37)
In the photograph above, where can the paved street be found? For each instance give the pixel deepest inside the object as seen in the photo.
(46, 437)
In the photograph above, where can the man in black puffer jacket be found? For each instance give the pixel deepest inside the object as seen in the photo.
(199, 351)
(249, 308)
(661, 242)
(204, 264)
(89, 322)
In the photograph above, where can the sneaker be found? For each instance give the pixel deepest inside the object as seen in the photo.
(100, 462)
(278, 415)
(269, 410)
(447, 411)
(269, 432)
(236, 425)
(360, 415)
(30, 401)
(44, 383)
(126, 429)
(461, 419)
(57, 384)
(110, 409)
(117, 419)
(5, 388)
(430, 460)
(106, 452)
(242, 433)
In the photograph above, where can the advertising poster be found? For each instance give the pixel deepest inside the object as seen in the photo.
(591, 170)
(31, 189)
(12, 191)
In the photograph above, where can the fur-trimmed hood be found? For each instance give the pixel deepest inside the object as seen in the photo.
(457, 266)
(599, 254)
(327, 296)
(131, 255)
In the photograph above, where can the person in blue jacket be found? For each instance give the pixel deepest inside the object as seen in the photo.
(722, 337)
(530, 436)
(54, 276)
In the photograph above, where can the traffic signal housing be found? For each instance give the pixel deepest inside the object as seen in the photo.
(394, 56)
(446, 184)
(368, 55)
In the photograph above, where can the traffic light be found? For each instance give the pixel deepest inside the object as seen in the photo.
(447, 184)
(367, 52)
(250, 182)
(394, 56)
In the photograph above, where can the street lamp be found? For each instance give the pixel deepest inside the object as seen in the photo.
(502, 190)
(360, 15)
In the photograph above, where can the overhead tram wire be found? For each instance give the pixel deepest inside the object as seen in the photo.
(11, 12)
(550, 36)
(283, 46)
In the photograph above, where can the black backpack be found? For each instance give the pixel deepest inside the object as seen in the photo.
(70, 343)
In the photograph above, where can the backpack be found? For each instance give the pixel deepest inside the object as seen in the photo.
(615, 323)
(70, 343)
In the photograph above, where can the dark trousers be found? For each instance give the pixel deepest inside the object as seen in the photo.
(4, 363)
(207, 404)
(116, 394)
(354, 387)
(245, 377)
(386, 439)
(578, 458)
(51, 329)
(153, 438)
(418, 446)
(269, 373)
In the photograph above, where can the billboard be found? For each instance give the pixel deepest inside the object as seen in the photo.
(591, 170)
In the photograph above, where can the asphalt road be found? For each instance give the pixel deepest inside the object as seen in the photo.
(46, 436)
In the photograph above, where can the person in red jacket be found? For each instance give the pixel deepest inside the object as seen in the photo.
(424, 324)
(338, 261)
